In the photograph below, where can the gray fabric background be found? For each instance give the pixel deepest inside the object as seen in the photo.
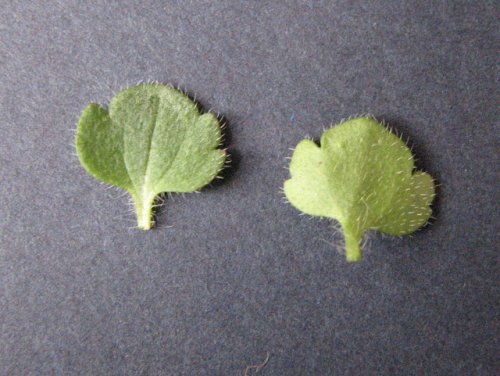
(234, 273)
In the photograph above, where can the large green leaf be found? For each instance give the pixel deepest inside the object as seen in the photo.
(153, 140)
(363, 177)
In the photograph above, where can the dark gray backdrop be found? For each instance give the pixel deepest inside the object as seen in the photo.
(234, 273)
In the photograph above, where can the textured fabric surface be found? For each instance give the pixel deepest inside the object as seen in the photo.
(234, 273)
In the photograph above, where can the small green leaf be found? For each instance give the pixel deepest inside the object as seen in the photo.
(363, 176)
(153, 140)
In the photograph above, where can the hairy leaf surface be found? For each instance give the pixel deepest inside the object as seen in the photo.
(363, 176)
(152, 140)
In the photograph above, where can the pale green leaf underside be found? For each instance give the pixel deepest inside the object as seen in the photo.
(153, 140)
(363, 176)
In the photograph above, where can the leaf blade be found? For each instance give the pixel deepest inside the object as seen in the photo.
(366, 173)
(166, 145)
(104, 162)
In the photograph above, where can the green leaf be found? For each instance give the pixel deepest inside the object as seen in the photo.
(153, 140)
(363, 176)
